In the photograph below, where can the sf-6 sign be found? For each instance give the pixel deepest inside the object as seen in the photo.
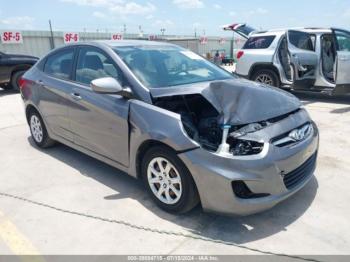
(11, 37)
(70, 37)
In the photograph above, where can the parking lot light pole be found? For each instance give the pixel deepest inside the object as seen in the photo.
(52, 41)
(163, 31)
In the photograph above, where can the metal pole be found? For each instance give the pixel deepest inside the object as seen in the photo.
(84, 35)
(124, 29)
(52, 41)
(233, 45)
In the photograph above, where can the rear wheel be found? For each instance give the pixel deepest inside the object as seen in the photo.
(39, 131)
(5, 87)
(267, 77)
(168, 181)
(15, 80)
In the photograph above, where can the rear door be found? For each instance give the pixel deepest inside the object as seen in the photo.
(303, 58)
(54, 86)
(342, 64)
(243, 30)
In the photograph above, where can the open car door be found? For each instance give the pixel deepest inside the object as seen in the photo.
(303, 58)
(242, 29)
(342, 62)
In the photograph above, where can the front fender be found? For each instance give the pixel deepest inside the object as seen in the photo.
(149, 122)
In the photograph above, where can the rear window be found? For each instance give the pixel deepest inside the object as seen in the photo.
(259, 42)
(302, 40)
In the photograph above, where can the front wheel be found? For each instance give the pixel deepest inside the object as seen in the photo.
(267, 77)
(168, 181)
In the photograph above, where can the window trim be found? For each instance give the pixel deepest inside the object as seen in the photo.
(68, 48)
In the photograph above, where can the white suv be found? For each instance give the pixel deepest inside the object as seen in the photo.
(316, 59)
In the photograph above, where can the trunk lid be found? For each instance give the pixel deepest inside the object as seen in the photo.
(243, 30)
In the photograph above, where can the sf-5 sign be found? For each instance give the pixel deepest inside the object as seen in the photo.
(11, 37)
(70, 37)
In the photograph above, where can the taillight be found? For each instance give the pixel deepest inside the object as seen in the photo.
(24, 85)
(22, 82)
(240, 54)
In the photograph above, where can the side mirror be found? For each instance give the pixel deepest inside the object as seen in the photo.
(106, 85)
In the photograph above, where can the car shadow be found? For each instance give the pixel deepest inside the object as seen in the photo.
(314, 97)
(5, 92)
(237, 230)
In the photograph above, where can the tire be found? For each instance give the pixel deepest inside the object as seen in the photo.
(39, 131)
(15, 80)
(179, 193)
(6, 87)
(270, 77)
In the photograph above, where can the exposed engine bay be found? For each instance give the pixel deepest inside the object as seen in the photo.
(201, 122)
(219, 115)
(199, 118)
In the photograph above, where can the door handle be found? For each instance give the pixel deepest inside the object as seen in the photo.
(39, 82)
(76, 96)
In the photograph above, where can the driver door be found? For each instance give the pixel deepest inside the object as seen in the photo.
(303, 58)
(99, 122)
(342, 63)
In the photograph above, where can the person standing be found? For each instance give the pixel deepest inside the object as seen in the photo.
(217, 59)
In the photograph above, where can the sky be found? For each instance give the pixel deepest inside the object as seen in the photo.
(180, 17)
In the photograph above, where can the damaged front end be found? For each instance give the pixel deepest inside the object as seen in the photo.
(243, 165)
(221, 115)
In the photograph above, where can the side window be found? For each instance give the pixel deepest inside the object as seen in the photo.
(343, 40)
(259, 42)
(93, 64)
(60, 64)
(302, 40)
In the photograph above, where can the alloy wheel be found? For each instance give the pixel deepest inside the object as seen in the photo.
(36, 128)
(164, 180)
(265, 79)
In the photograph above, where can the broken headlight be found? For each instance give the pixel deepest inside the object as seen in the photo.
(240, 147)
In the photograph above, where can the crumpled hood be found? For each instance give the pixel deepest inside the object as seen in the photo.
(239, 101)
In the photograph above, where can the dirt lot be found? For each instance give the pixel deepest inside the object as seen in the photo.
(314, 221)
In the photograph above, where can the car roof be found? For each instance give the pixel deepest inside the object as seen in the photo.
(280, 31)
(124, 43)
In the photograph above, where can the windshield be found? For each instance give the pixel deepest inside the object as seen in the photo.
(164, 66)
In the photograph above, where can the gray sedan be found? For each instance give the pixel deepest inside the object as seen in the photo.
(193, 132)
